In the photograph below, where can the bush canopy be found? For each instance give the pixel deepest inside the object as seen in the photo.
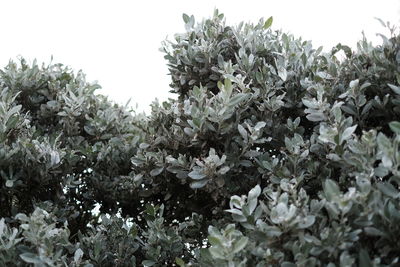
(273, 154)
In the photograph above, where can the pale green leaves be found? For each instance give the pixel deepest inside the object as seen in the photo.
(282, 73)
(244, 209)
(253, 134)
(268, 22)
(78, 255)
(347, 134)
(354, 84)
(226, 89)
(336, 135)
(306, 222)
(387, 150)
(243, 133)
(395, 88)
(389, 190)
(227, 243)
(198, 184)
(236, 99)
(282, 213)
(316, 107)
(156, 171)
(331, 189)
(240, 244)
(254, 192)
(395, 127)
(211, 167)
(197, 173)
(189, 21)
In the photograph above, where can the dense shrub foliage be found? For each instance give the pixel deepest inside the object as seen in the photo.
(274, 153)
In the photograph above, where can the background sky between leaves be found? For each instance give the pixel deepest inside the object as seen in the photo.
(117, 42)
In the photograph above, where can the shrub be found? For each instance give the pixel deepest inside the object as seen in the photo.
(274, 153)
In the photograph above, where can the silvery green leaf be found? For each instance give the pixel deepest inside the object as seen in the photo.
(31, 258)
(52, 104)
(279, 213)
(254, 192)
(186, 18)
(364, 184)
(212, 152)
(337, 113)
(216, 253)
(349, 109)
(2, 226)
(306, 222)
(156, 171)
(240, 244)
(239, 218)
(304, 154)
(331, 189)
(387, 161)
(54, 158)
(148, 263)
(189, 131)
(243, 132)
(388, 189)
(22, 217)
(367, 107)
(258, 212)
(223, 170)
(272, 231)
(316, 116)
(327, 134)
(89, 129)
(282, 73)
(228, 87)
(236, 99)
(395, 88)
(310, 103)
(215, 240)
(198, 184)
(259, 125)
(235, 211)
(347, 133)
(395, 127)
(78, 255)
(323, 75)
(213, 231)
(252, 204)
(197, 175)
(361, 100)
(236, 202)
(13, 111)
(354, 83)
(144, 145)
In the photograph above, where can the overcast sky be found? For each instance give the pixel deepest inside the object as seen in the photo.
(116, 42)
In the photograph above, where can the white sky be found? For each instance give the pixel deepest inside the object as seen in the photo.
(116, 42)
